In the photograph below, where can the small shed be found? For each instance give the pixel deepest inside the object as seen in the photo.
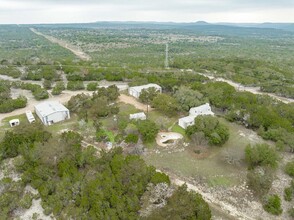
(136, 90)
(138, 116)
(52, 112)
(186, 121)
(14, 122)
(30, 117)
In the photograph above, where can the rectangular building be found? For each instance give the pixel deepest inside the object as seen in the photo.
(51, 112)
(136, 90)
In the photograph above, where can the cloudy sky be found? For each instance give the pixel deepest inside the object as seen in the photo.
(64, 11)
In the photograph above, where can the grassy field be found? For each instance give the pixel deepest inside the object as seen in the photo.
(210, 165)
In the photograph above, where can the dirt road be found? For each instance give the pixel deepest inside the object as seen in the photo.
(77, 51)
(132, 101)
(254, 90)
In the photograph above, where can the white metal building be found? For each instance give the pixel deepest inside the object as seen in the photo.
(136, 90)
(51, 112)
(193, 113)
(201, 110)
(186, 121)
(30, 117)
(138, 116)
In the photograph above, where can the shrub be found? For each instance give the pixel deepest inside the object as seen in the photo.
(75, 85)
(260, 180)
(261, 155)
(291, 212)
(272, 205)
(289, 168)
(160, 178)
(131, 138)
(288, 192)
(92, 86)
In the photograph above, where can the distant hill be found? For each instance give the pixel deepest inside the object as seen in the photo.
(281, 26)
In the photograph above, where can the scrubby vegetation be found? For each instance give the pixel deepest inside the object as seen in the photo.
(215, 132)
(75, 183)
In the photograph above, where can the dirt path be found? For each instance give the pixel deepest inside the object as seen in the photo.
(77, 51)
(132, 101)
(254, 90)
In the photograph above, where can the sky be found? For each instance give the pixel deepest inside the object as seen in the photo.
(69, 11)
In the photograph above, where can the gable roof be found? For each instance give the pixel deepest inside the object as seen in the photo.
(48, 108)
(140, 88)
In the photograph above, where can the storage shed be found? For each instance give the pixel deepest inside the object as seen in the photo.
(136, 90)
(138, 116)
(52, 112)
(14, 122)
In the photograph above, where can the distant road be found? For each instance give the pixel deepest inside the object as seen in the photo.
(77, 51)
(254, 90)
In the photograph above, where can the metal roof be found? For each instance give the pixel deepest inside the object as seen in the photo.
(188, 119)
(140, 88)
(48, 108)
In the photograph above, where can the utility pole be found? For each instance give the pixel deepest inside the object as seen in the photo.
(166, 56)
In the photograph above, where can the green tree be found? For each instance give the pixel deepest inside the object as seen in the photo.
(147, 95)
(183, 205)
(215, 132)
(188, 98)
(166, 104)
(148, 130)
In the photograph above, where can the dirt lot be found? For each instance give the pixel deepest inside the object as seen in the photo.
(132, 101)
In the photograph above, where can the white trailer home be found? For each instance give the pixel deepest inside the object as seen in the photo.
(201, 110)
(193, 113)
(136, 90)
(52, 112)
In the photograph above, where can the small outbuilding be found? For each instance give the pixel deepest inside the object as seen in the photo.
(52, 112)
(186, 121)
(14, 122)
(138, 116)
(30, 117)
(136, 90)
(193, 113)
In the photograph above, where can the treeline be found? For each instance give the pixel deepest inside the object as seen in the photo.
(249, 72)
(74, 182)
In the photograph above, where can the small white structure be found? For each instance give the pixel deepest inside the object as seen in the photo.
(186, 121)
(136, 90)
(14, 122)
(30, 117)
(193, 113)
(138, 116)
(51, 112)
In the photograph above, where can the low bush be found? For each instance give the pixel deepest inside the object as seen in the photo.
(272, 204)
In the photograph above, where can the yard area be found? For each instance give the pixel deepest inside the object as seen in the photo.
(211, 165)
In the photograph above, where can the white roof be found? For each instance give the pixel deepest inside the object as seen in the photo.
(48, 108)
(140, 88)
(14, 120)
(188, 119)
(138, 115)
